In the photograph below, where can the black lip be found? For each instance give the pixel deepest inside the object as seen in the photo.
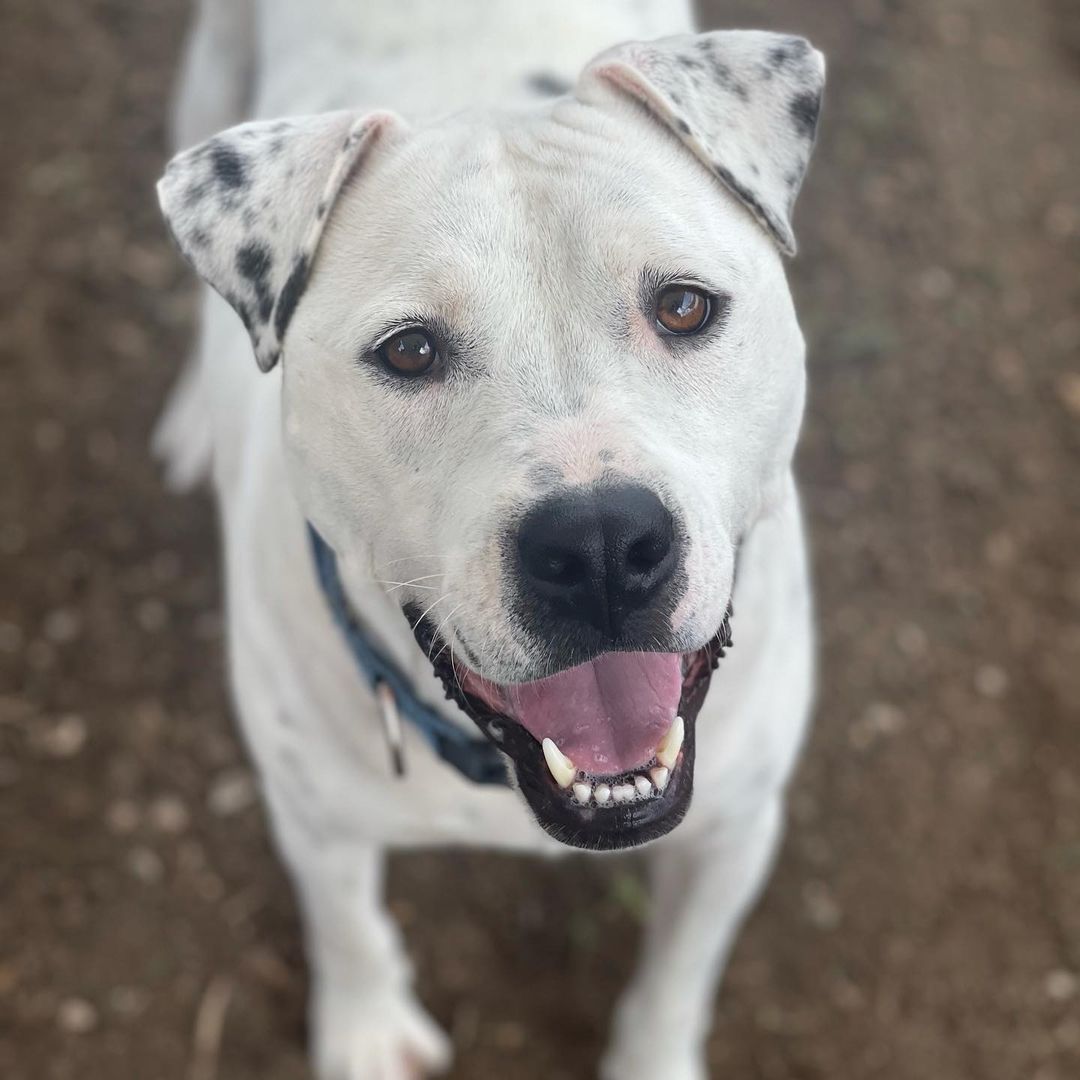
(609, 828)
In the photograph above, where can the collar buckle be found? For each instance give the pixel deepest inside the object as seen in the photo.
(391, 721)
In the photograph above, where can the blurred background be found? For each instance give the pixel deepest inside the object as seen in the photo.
(924, 920)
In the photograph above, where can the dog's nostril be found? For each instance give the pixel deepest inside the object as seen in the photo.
(648, 552)
(597, 556)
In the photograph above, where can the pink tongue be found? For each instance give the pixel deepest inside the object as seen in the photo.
(608, 715)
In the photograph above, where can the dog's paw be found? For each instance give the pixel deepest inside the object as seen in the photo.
(388, 1038)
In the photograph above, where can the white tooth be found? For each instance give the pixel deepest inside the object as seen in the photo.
(660, 777)
(583, 792)
(643, 786)
(667, 753)
(562, 768)
(602, 794)
(623, 792)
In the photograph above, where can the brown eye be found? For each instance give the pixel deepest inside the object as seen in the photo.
(410, 353)
(682, 310)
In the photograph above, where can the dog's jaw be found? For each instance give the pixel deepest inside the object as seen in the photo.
(586, 809)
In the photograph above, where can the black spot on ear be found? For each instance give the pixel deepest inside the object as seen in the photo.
(544, 82)
(804, 110)
(748, 197)
(289, 296)
(722, 74)
(781, 56)
(230, 167)
(683, 126)
(320, 210)
(198, 238)
(253, 263)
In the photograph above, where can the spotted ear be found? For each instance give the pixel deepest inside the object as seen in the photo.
(745, 102)
(247, 210)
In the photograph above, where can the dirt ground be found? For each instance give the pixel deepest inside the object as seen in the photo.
(924, 920)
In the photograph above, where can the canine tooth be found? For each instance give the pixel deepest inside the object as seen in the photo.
(562, 768)
(667, 753)
(623, 792)
(643, 786)
(583, 792)
(660, 777)
(602, 794)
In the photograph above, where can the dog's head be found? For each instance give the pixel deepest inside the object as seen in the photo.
(541, 367)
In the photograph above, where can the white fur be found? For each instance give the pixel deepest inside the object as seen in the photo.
(530, 222)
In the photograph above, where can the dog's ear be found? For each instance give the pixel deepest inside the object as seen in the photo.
(745, 102)
(247, 209)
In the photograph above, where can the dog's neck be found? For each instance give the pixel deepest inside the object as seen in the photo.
(423, 57)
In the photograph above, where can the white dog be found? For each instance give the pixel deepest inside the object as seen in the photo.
(533, 382)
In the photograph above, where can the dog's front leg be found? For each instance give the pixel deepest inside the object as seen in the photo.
(364, 1022)
(702, 888)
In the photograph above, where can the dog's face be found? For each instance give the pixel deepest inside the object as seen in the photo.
(543, 376)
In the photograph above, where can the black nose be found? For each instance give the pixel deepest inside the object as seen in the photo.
(597, 556)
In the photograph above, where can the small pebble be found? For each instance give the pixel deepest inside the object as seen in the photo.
(76, 1016)
(168, 814)
(146, 865)
(880, 720)
(1061, 985)
(821, 909)
(65, 738)
(231, 792)
(991, 681)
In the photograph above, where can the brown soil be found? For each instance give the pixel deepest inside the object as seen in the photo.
(925, 917)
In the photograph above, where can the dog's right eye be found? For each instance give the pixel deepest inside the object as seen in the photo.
(410, 352)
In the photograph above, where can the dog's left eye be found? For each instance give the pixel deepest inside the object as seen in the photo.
(682, 309)
(410, 352)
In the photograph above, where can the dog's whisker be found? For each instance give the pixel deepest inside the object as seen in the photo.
(445, 596)
(408, 584)
(439, 628)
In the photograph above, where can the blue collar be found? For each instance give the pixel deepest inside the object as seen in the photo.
(476, 759)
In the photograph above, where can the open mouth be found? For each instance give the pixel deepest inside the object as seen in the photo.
(603, 752)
